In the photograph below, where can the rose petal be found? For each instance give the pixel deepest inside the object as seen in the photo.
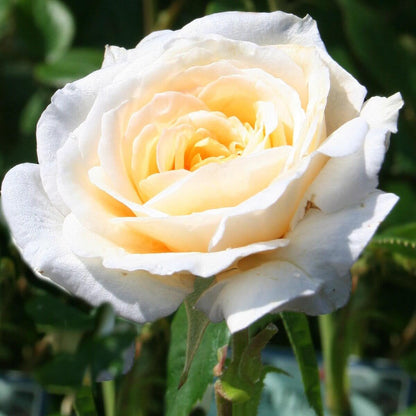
(92, 207)
(382, 112)
(213, 186)
(358, 171)
(114, 54)
(37, 229)
(326, 245)
(345, 98)
(267, 215)
(195, 230)
(99, 178)
(158, 182)
(236, 58)
(111, 150)
(86, 243)
(67, 110)
(346, 140)
(198, 264)
(260, 28)
(245, 296)
(309, 275)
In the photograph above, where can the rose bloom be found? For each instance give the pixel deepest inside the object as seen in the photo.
(234, 147)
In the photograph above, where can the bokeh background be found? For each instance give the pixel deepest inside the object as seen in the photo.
(62, 342)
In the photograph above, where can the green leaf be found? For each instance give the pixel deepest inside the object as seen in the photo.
(57, 25)
(411, 411)
(50, 312)
(62, 372)
(400, 242)
(389, 63)
(243, 380)
(197, 324)
(180, 402)
(107, 355)
(297, 328)
(404, 232)
(5, 9)
(75, 64)
(84, 402)
(251, 367)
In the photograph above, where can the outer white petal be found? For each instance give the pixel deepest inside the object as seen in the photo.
(261, 28)
(37, 229)
(345, 98)
(352, 176)
(308, 275)
(246, 296)
(382, 112)
(199, 264)
(114, 54)
(68, 109)
(347, 140)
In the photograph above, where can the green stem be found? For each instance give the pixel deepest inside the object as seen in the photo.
(224, 406)
(239, 342)
(335, 354)
(109, 395)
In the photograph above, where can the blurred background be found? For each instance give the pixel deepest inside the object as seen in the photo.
(60, 342)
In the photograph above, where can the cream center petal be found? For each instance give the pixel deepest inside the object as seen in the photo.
(218, 185)
(112, 147)
(158, 182)
(232, 95)
(172, 145)
(145, 127)
(143, 161)
(162, 110)
(99, 178)
(187, 233)
(229, 131)
(205, 150)
(256, 98)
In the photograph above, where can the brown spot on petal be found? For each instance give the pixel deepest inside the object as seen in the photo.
(311, 205)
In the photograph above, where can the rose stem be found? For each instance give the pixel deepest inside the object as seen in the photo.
(239, 342)
(224, 406)
(109, 393)
(335, 354)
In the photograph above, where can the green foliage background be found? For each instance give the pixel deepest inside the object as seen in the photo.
(46, 43)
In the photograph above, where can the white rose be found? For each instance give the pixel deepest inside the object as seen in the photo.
(234, 147)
